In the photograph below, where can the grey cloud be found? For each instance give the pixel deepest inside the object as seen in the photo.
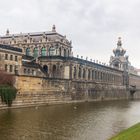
(92, 25)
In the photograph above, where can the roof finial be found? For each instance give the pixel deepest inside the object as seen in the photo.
(119, 42)
(53, 28)
(7, 32)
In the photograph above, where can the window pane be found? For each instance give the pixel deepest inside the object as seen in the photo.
(43, 52)
(35, 52)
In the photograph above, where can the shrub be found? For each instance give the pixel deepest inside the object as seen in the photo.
(8, 94)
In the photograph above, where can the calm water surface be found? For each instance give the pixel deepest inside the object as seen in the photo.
(83, 121)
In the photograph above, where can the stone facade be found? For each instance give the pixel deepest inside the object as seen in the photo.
(120, 60)
(10, 59)
(50, 91)
(47, 72)
(39, 44)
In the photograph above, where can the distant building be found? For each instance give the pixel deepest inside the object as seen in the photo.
(49, 54)
(10, 59)
(46, 71)
(120, 60)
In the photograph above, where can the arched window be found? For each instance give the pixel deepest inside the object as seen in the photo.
(61, 71)
(92, 74)
(11, 68)
(68, 53)
(88, 74)
(84, 74)
(28, 71)
(6, 67)
(36, 52)
(95, 74)
(74, 73)
(54, 72)
(28, 51)
(98, 75)
(101, 75)
(45, 68)
(60, 51)
(79, 75)
(25, 71)
(43, 51)
(64, 52)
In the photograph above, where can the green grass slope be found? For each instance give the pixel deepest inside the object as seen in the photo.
(132, 133)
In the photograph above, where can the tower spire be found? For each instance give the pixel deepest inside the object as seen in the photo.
(119, 43)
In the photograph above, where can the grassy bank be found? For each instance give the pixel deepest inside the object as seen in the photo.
(132, 133)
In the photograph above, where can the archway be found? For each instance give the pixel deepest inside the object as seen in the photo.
(54, 72)
(45, 68)
(61, 72)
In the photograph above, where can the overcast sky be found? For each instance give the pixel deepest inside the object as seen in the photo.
(93, 25)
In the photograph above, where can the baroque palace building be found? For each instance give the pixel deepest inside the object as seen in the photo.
(47, 72)
(49, 54)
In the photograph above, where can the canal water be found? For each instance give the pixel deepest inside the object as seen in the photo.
(82, 121)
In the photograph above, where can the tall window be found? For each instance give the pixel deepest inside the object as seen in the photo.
(11, 57)
(68, 53)
(11, 68)
(6, 56)
(54, 72)
(33, 72)
(25, 71)
(79, 73)
(95, 74)
(52, 51)
(88, 74)
(45, 67)
(28, 51)
(36, 52)
(92, 74)
(60, 51)
(74, 73)
(15, 58)
(43, 51)
(28, 71)
(64, 52)
(84, 73)
(6, 67)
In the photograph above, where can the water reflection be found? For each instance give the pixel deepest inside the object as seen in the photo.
(82, 121)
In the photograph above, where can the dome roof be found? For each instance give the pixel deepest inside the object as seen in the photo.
(119, 51)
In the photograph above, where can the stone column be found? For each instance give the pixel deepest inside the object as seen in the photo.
(50, 70)
(86, 74)
(81, 73)
(90, 74)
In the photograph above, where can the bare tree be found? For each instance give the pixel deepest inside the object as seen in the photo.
(6, 79)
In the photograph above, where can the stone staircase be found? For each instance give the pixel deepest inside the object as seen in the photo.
(39, 99)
